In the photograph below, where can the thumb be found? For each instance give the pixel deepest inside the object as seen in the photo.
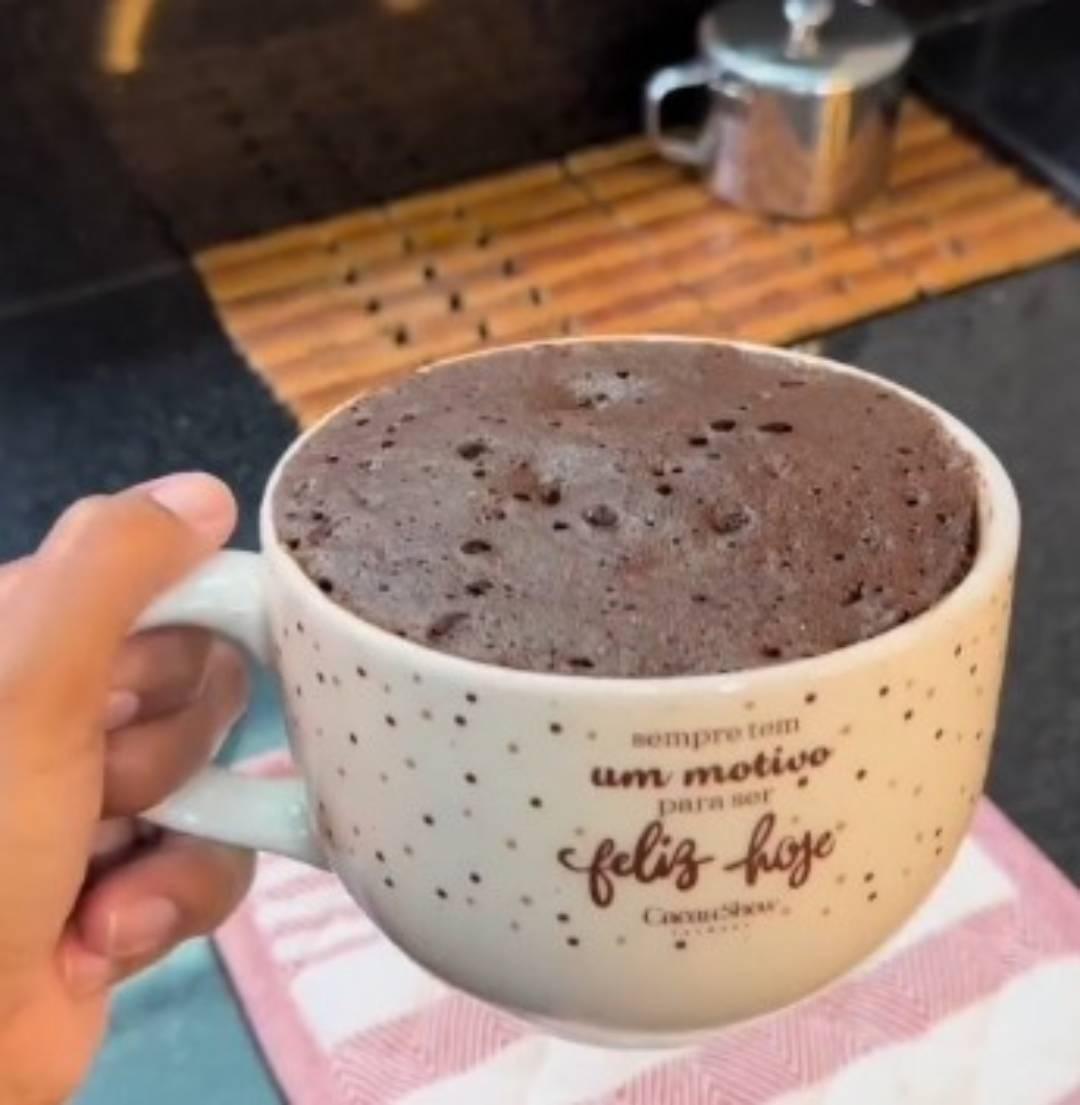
(101, 565)
(74, 602)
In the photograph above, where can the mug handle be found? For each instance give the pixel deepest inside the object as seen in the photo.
(675, 78)
(228, 596)
(691, 74)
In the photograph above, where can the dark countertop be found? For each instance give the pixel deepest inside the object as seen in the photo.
(133, 382)
(122, 386)
(1011, 76)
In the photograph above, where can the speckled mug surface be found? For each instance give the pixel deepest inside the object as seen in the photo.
(627, 861)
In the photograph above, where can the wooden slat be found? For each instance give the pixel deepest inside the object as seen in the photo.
(632, 180)
(998, 250)
(679, 199)
(933, 158)
(598, 158)
(487, 189)
(305, 235)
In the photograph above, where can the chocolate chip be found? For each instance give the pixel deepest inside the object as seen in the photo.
(446, 623)
(470, 450)
(602, 516)
(727, 522)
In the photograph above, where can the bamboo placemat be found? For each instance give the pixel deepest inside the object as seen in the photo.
(608, 240)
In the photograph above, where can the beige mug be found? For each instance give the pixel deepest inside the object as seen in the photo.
(623, 861)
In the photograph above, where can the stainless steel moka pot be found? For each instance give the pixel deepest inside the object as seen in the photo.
(803, 98)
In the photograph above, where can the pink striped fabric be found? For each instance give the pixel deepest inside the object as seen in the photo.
(987, 968)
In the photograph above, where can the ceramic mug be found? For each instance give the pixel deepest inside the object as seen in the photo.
(624, 861)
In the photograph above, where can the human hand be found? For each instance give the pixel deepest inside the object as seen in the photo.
(94, 728)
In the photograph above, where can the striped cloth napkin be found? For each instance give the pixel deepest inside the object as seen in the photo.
(977, 1000)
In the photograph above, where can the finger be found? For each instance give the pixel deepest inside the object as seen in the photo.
(121, 708)
(10, 574)
(182, 888)
(117, 840)
(64, 621)
(112, 839)
(164, 668)
(101, 565)
(76, 599)
(156, 672)
(145, 762)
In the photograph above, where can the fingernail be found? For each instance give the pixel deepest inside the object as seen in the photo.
(87, 974)
(143, 927)
(201, 501)
(121, 707)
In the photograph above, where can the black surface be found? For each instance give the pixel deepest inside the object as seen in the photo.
(927, 16)
(1005, 358)
(140, 381)
(1014, 76)
(121, 387)
(72, 220)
